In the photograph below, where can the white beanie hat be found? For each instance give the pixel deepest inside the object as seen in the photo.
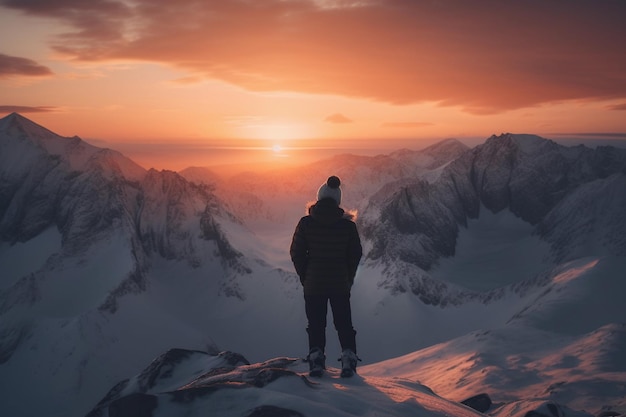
(330, 189)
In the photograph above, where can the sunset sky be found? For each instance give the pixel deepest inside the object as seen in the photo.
(129, 74)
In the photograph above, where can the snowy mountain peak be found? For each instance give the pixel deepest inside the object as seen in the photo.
(26, 144)
(445, 145)
(16, 125)
(528, 144)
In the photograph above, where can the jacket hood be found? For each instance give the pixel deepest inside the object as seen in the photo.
(327, 211)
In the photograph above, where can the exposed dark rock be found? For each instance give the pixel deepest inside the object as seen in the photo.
(161, 370)
(229, 371)
(257, 375)
(133, 405)
(162, 367)
(233, 358)
(10, 339)
(25, 291)
(480, 402)
(113, 394)
(135, 283)
(548, 409)
(609, 413)
(273, 411)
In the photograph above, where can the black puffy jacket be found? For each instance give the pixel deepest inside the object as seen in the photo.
(326, 249)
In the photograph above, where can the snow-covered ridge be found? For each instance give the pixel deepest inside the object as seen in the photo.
(572, 197)
(576, 318)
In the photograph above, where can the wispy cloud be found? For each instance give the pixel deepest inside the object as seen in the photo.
(406, 124)
(606, 135)
(337, 118)
(11, 66)
(455, 53)
(27, 109)
(621, 107)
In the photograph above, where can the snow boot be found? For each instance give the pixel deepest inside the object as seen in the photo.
(348, 363)
(317, 362)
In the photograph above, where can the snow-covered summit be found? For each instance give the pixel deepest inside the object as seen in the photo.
(529, 144)
(444, 151)
(25, 144)
(17, 125)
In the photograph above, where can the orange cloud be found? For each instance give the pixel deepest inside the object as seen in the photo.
(338, 118)
(188, 80)
(485, 57)
(11, 66)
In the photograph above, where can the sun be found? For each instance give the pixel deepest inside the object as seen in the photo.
(277, 148)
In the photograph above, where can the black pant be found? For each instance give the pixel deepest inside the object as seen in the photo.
(316, 307)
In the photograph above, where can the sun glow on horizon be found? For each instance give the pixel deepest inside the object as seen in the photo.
(226, 81)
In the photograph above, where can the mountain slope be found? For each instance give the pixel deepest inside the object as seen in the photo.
(584, 372)
(564, 343)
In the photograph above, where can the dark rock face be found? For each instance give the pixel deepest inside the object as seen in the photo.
(272, 411)
(130, 396)
(163, 367)
(134, 405)
(10, 339)
(547, 410)
(480, 402)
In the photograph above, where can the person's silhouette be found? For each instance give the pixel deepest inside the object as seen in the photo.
(326, 251)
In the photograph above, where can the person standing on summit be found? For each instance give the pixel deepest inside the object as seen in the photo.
(326, 251)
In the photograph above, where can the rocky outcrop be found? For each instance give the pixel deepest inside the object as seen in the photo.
(140, 395)
(481, 402)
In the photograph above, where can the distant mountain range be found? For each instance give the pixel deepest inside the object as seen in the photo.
(574, 198)
(497, 268)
